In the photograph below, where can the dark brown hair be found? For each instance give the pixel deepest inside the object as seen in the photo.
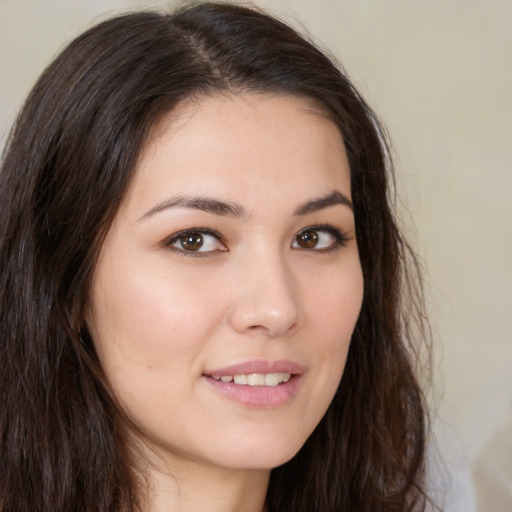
(65, 169)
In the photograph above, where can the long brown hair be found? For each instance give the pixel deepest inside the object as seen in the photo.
(64, 171)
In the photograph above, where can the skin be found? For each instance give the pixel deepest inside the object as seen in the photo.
(161, 315)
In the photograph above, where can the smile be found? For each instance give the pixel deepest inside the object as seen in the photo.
(258, 384)
(256, 379)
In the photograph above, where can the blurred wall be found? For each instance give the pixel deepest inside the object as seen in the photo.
(439, 73)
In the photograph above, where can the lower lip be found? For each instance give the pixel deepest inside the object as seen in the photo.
(262, 397)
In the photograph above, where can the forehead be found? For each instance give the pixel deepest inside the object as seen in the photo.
(204, 105)
(229, 143)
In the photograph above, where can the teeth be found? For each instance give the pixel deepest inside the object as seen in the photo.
(256, 379)
(240, 379)
(272, 379)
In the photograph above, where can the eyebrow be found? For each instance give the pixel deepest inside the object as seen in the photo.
(226, 208)
(206, 204)
(332, 199)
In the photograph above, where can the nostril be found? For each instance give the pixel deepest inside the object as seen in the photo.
(259, 328)
(270, 331)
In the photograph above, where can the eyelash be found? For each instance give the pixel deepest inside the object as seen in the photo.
(340, 239)
(168, 243)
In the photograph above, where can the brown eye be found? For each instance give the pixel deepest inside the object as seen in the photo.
(191, 242)
(196, 242)
(319, 238)
(307, 239)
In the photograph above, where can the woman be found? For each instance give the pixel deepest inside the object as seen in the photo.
(195, 225)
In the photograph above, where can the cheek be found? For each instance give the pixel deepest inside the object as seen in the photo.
(335, 307)
(150, 336)
(336, 303)
(143, 322)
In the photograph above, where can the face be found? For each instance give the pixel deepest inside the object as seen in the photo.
(228, 286)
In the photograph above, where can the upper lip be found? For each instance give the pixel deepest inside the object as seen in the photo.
(258, 366)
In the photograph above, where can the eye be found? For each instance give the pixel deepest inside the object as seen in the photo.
(320, 238)
(196, 241)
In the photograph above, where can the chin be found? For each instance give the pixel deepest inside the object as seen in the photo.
(266, 454)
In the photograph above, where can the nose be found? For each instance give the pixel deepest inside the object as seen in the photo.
(266, 301)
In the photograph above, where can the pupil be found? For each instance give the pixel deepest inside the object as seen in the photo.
(308, 239)
(192, 242)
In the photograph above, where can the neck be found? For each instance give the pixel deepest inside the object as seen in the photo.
(193, 487)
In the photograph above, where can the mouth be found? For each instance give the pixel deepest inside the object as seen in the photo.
(258, 384)
(255, 379)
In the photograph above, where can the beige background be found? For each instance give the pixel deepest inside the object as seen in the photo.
(440, 75)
